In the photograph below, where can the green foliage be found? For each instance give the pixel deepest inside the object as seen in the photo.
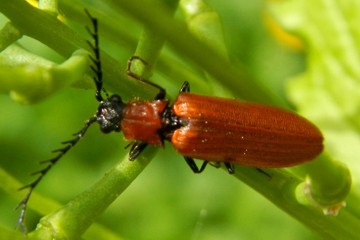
(329, 90)
(167, 201)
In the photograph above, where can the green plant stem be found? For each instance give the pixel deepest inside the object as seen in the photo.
(151, 43)
(280, 188)
(192, 48)
(71, 221)
(327, 191)
(49, 30)
(42, 205)
(8, 35)
(204, 22)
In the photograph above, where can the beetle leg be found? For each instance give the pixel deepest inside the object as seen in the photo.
(161, 94)
(185, 87)
(263, 172)
(193, 165)
(136, 149)
(230, 167)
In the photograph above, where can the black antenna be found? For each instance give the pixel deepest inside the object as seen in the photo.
(71, 143)
(96, 61)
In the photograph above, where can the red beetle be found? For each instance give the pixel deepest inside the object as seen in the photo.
(207, 128)
(213, 129)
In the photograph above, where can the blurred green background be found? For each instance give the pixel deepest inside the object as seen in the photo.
(167, 201)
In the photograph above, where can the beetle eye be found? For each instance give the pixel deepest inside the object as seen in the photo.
(115, 99)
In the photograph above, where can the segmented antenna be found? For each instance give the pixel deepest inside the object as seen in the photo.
(96, 67)
(96, 60)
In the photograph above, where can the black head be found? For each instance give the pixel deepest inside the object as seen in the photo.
(110, 114)
(110, 110)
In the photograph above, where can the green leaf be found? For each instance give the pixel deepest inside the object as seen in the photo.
(328, 92)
